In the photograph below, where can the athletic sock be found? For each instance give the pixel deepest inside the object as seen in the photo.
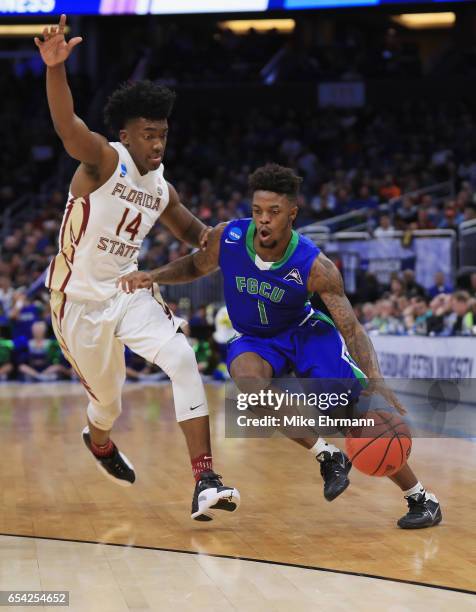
(418, 489)
(321, 445)
(202, 463)
(105, 450)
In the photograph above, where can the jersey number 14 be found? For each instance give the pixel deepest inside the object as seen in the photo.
(132, 228)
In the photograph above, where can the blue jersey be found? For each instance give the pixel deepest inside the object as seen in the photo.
(264, 299)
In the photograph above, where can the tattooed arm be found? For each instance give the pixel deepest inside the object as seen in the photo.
(183, 270)
(325, 279)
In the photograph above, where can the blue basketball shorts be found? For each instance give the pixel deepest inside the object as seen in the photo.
(314, 349)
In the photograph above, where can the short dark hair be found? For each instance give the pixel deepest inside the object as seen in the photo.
(461, 296)
(139, 99)
(275, 178)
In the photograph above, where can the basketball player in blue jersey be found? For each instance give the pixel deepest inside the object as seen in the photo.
(269, 271)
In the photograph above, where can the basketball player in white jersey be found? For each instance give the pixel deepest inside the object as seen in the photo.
(117, 194)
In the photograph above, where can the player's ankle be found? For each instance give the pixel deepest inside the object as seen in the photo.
(102, 450)
(202, 463)
(322, 446)
(417, 489)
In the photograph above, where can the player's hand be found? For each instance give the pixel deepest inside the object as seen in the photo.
(53, 48)
(203, 240)
(379, 387)
(135, 280)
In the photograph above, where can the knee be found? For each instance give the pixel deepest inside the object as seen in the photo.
(249, 377)
(103, 416)
(178, 361)
(251, 381)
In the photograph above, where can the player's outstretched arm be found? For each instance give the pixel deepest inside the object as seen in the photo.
(326, 280)
(78, 140)
(185, 226)
(183, 270)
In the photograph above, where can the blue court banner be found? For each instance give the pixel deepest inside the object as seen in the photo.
(165, 7)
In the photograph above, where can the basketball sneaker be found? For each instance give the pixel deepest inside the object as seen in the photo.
(116, 467)
(211, 494)
(334, 469)
(423, 511)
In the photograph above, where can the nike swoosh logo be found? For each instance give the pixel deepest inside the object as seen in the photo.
(433, 514)
(195, 407)
(230, 241)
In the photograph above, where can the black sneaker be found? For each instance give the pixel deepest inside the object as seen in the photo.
(116, 467)
(423, 511)
(210, 494)
(334, 469)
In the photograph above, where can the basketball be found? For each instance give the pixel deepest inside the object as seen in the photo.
(380, 449)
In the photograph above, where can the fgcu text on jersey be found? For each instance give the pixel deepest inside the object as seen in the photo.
(264, 298)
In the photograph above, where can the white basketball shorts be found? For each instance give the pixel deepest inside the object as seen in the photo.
(92, 336)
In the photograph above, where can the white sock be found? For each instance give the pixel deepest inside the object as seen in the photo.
(418, 488)
(321, 445)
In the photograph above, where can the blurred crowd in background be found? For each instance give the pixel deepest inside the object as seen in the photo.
(350, 159)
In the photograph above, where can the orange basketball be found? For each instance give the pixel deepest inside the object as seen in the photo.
(381, 449)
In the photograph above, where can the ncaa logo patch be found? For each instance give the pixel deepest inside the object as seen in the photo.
(235, 234)
(123, 170)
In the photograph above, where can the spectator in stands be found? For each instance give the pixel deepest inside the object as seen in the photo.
(369, 312)
(401, 304)
(224, 331)
(6, 357)
(6, 294)
(397, 287)
(24, 313)
(386, 323)
(407, 213)
(460, 321)
(420, 314)
(440, 286)
(138, 369)
(449, 220)
(413, 288)
(42, 361)
(440, 307)
(469, 212)
(385, 228)
(368, 288)
(203, 355)
(472, 284)
(324, 204)
(363, 200)
(389, 189)
(199, 319)
(424, 220)
(342, 203)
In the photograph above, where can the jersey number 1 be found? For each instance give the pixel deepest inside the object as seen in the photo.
(262, 313)
(132, 228)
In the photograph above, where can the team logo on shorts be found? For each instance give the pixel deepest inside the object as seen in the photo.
(294, 276)
(123, 170)
(234, 234)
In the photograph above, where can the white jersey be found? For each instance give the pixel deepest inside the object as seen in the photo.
(102, 233)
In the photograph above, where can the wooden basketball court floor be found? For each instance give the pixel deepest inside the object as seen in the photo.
(64, 526)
